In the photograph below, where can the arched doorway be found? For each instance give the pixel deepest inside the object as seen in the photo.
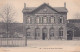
(44, 33)
(51, 33)
(37, 33)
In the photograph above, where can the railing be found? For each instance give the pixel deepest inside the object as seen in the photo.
(12, 42)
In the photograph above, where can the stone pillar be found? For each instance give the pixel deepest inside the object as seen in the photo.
(40, 33)
(48, 33)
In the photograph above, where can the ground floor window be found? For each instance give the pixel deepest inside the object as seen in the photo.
(28, 32)
(60, 33)
(37, 33)
(51, 32)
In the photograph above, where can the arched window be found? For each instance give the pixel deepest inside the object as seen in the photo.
(44, 19)
(61, 31)
(37, 19)
(51, 32)
(52, 20)
(37, 32)
(28, 32)
(28, 19)
(61, 19)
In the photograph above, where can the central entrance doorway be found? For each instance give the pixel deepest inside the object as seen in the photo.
(44, 33)
(44, 36)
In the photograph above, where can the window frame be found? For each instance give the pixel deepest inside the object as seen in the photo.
(51, 21)
(45, 17)
(37, 32)
(61, 31)
(28, 19)
(61, 19)
(50, 32)
(37, 19)
(28, 33)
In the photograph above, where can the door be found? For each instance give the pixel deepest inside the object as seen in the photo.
(69, 35)
(44, 36)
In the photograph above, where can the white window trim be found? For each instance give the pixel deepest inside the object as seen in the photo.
(37, 20)
(28, 19)
(61, 19)
(44, 19)
(52, 19)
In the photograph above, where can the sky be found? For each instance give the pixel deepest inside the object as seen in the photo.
(73, 6)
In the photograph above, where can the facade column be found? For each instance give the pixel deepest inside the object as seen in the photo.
(40, 33)
(48, 34)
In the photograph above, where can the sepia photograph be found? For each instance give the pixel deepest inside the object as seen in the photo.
(39, 26)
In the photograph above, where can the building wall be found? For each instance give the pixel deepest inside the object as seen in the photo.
(33, 25)
(45, 12)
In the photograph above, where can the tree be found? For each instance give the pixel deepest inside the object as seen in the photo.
(7, 14)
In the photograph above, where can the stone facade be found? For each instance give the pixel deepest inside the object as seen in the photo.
(45, 22)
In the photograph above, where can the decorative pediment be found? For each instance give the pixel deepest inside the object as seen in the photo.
(45, 9)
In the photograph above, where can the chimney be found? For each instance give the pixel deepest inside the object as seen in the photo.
(65, 4)
(24, 5)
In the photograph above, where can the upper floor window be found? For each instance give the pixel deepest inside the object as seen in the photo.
(44, 19)
(61, 20)
(37, 19)
(52, 20)
(28, 19)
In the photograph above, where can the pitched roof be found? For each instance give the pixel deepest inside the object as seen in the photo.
(58, 9)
